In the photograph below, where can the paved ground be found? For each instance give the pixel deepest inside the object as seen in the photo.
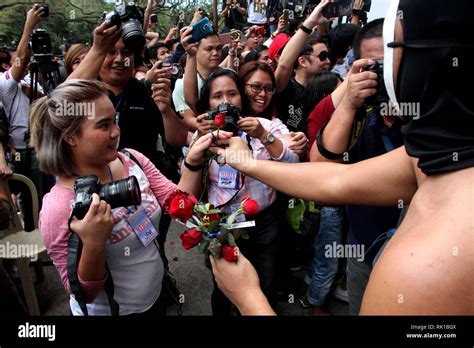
(194, 279)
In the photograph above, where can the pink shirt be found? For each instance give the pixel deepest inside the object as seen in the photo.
(155, 189)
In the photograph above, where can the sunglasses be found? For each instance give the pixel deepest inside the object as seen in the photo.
(259, 88)
(323, 55)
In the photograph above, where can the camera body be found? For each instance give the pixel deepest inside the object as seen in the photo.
(122, 193)
(154, 18)
(176, 70)
(231, 116)
(129, 18)
(45, 9)
(339, 8)
(381, 96)
(41, 45)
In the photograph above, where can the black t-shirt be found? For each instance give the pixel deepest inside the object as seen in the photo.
(234, 20)
(141, 122)
(290, 106)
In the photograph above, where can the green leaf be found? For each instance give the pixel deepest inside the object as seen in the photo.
(215, 248)
(214, 211)
(199, 208)
(231, 239)
(213, 225)
(202, 247)
(207, 207)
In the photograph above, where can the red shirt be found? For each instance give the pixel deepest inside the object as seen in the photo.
(318, 118)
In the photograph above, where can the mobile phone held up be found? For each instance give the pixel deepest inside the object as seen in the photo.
(201, 29)
(154, 18)
(338, 8)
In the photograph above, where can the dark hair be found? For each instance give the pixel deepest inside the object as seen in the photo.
(319, 87)
(153, 50)
(214, 33)
(202, 105)
(341, 38)
(373, 29)
(308, 49)
(246, 71)
(254, 55)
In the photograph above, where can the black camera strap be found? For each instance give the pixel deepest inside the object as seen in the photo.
(74, 250)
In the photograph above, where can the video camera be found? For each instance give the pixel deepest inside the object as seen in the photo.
(41, 46)
(231, 116)
(122, 193)
(129, 18)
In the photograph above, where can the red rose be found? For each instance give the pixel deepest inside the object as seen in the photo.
(190, 238)
(180, 205)
(250, 207)
(219, 120)
(229, 252)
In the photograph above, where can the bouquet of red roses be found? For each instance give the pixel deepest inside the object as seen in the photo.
(212, 231)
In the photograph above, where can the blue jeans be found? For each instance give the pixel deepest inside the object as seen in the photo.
(323, 269)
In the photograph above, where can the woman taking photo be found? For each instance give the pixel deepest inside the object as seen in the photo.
(266, 139)
(85, 143)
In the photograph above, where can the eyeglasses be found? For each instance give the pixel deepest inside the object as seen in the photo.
(323, 55)
(259, 88)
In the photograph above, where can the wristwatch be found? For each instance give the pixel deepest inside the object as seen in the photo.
(270, 139)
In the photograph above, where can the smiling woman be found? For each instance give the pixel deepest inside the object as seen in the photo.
(79, 145)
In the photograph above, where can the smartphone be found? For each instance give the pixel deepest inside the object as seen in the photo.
(338, 8)
(201, 29)
(286, 16)
(180, 25)
(154, 18)
(225, 38)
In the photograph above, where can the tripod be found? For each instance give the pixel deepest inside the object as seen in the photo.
(44, 67)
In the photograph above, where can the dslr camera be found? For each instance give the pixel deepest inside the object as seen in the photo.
(231, 116)
(41, 46)
(122, 193)
(381, 96)
(129, 18)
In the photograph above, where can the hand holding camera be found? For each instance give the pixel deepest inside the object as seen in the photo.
(251, 126)
(316, 17)
(96, 226)
(162, 94)
(186, 37)
(105, 37)
(34, 16)
(361, 85)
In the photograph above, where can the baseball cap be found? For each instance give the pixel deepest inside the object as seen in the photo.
(277, 44)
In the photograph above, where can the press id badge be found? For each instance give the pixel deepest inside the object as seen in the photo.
(142, 226)
(228, 178)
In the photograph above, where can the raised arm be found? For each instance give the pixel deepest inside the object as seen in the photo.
(23, 54)
(190, 84)
(381, 181)
(105, 38)
(291, 51)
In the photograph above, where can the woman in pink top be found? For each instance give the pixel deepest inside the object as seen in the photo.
(74, 133)
(227, 187)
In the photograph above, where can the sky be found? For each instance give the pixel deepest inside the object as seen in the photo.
(379, 9)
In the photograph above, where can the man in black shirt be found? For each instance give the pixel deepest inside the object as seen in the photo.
(233, 12)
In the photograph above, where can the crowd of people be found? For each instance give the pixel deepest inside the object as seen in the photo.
(306, 97)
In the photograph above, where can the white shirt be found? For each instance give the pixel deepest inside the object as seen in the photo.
(258, 12)
(178, 94)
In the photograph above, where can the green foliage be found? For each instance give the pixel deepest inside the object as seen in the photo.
(75, 20)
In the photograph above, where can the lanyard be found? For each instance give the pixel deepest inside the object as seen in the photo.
(118, 107)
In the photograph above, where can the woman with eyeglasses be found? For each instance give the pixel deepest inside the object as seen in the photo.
(265, 136)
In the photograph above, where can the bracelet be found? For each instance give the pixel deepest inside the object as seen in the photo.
(192, 167)
(306, 29)
(323, 151)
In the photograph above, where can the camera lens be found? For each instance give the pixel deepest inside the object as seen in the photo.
(132, 35)
(122, 193)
